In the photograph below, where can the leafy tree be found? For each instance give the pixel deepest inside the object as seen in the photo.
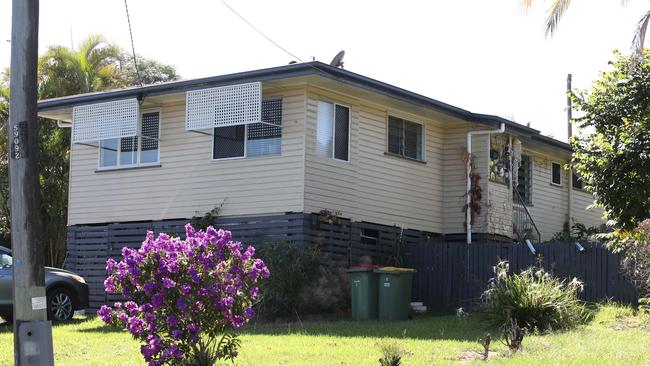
(559, 7)
(612, 151)
(94, 66)
(151, 71)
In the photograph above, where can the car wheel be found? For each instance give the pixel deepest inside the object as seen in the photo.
(59, 305)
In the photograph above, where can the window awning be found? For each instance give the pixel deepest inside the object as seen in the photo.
(94, 122)
(231, 105)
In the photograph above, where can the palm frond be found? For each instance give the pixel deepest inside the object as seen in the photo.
(526, 4)
(639, 35)
(555, 14)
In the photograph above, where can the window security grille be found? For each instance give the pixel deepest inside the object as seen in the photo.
(231, 105)
(342, 132)
(95, 122)
(525, 178)
(256, 139)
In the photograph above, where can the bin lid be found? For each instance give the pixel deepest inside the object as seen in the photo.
(395, 270)
(362, 268)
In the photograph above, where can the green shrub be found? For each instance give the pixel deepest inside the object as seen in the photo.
(535, 299)
(303, 282)
(644, 305)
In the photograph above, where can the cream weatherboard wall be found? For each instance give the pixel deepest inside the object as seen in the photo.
(550, 202)
(373, 186)
(454, 176)
(188, 182)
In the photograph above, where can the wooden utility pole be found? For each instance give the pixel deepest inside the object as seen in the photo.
(32, 331)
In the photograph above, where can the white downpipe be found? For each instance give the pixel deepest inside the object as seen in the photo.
(468, 217)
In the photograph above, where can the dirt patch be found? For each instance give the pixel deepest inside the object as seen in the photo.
(469, 355)
(632, 323)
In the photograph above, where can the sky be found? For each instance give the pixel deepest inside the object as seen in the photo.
(487, 56)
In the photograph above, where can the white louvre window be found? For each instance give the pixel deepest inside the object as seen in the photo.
(251, 140)
(95, 122)
(231, 105)
(133, 151)
(404, 138)
(333, 131)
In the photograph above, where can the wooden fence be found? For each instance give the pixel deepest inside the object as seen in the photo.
(450, 274)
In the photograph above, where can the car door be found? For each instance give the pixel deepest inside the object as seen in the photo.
(6, 284)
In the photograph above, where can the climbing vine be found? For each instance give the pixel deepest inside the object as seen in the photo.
(475, 192)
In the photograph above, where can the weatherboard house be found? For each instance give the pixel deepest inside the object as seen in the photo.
(305, 152)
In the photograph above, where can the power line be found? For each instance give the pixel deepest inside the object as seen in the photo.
(135, 60)
(260, 32)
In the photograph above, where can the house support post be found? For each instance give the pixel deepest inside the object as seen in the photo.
(468, 215)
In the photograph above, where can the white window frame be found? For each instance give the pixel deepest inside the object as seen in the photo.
(119, 166)
(333, 144)
(407, 119)
(553, 183)
(246, 139)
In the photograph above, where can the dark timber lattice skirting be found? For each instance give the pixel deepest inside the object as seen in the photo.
(450, 273)
(345, 243)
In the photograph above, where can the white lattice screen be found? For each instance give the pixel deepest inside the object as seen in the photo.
(224, 106)
(94, 122)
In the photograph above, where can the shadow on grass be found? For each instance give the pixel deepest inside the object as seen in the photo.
(421, 327)
(428, 327)
(6, 327)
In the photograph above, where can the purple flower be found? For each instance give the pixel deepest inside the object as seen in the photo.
(227, 302)
(186, 289)
(110, 265)
(172, 321)
(135, 326)
(193, 328)
(168, 283)
(182, 305)
(109, 285)
(238, 321)
(105, 314)
(190, 288)
(131, 307)
(157, 300)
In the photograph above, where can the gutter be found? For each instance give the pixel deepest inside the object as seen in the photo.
(468, 216)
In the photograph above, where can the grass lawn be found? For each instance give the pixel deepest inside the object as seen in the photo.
(613, 337)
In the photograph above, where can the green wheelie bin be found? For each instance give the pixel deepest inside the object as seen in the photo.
(394, 292)
(363, 293)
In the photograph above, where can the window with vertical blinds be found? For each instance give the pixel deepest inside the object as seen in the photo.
(333, 131)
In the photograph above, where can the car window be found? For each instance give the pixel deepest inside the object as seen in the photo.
(5, 260)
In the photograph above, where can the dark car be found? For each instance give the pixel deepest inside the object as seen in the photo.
(66, 291)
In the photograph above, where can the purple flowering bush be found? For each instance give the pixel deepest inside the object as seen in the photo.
(187, 296)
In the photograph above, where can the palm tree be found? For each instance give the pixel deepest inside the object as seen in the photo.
(91, 67)
(559, 7)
